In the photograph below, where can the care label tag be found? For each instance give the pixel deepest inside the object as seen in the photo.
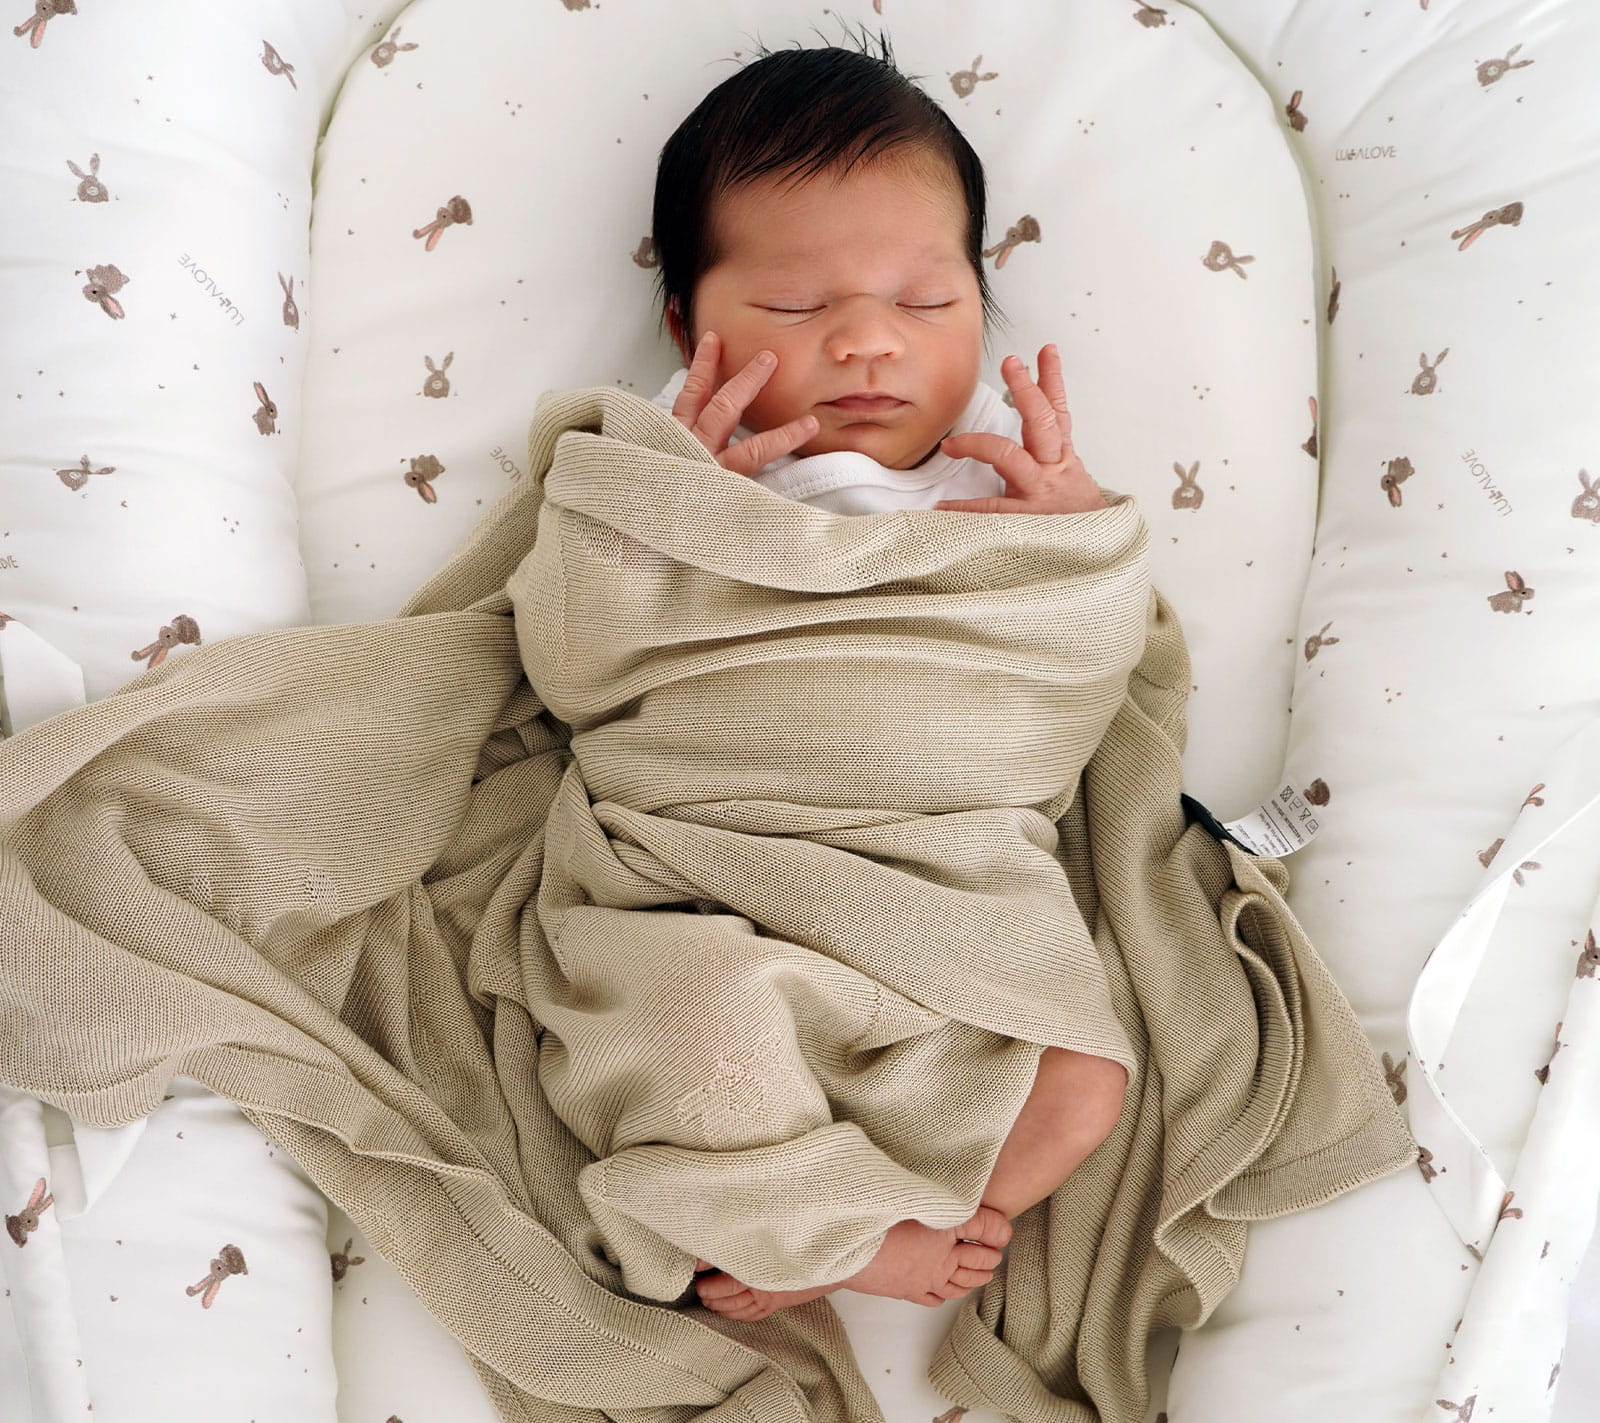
(1281, 826)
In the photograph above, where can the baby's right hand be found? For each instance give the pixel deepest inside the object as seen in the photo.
(712, 415)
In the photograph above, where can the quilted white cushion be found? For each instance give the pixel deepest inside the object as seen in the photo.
(153, 280)
(1451, 157)
(171, 1268)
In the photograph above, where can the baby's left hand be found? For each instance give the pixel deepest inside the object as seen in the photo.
(1043, 474)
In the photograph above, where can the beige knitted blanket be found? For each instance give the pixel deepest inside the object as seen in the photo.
(689, 871)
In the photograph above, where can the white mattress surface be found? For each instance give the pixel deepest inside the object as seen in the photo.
(1328, 264)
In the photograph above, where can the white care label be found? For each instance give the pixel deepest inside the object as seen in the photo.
(1281, 826)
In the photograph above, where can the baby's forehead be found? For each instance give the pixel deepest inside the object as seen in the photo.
(911, 211)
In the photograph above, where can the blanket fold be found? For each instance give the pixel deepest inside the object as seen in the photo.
(687, 871)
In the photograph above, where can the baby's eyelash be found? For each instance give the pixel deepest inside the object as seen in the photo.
(792, 310)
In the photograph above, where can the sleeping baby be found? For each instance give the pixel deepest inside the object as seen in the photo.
(819, 222)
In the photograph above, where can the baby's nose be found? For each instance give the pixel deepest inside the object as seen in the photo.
(864, 330)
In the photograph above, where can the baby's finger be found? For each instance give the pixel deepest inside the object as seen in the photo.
(701, 382)
(723, 412)
(746, 457)
(970, 1279)
(1041, 431)
(972, 1256)
(1052, 384)
(1006, 457)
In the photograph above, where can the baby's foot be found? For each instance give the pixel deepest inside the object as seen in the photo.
(927, 1266)
(731, 1298)
(915, 1262)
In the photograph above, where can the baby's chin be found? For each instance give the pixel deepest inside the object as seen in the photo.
(894, 449)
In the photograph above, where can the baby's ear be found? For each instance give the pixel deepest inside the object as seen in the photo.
(677, 330)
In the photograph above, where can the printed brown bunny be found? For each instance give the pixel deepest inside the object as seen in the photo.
(266, 417)
(1463, 1411)
(182, 628)
(1394, 1074)
(1508, 216)
(104, 282)
(43, 12)
(1425, 380)
(424, 470)
(1297, 120)
(1333, 297)
(1318, 640)
(1397, 471)
(20, 1226)
(437, 384)
(1221, 259)
(1425, 1163)
(274, 63)
(1026, 229)
(1188, 494)
(229, 1261)
(291, 312)
(1512, 601)
(1310, 446)
(77, 478)
(1492, 70)
(91, 189)
(964, 81)
(1588, 957)
(341, 1260)
(385, 50)
(456, 210)
(645, 254)
(1587, 504)
(1149, 16)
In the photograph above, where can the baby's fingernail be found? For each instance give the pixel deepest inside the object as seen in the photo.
(766, 358)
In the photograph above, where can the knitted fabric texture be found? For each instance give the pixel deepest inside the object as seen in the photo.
(689, 871)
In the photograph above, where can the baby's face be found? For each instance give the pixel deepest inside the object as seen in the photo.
(861, 286)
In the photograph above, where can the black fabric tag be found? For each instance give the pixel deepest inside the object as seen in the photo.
(1219, 832)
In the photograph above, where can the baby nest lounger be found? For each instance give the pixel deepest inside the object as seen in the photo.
(1241, 222)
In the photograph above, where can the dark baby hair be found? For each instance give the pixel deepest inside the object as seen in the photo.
(796, 112)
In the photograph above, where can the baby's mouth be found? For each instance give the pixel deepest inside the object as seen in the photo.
(863, 403)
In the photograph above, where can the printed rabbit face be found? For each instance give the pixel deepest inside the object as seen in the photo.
(861, 285)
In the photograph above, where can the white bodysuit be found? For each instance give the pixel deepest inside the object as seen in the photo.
(845, 482)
